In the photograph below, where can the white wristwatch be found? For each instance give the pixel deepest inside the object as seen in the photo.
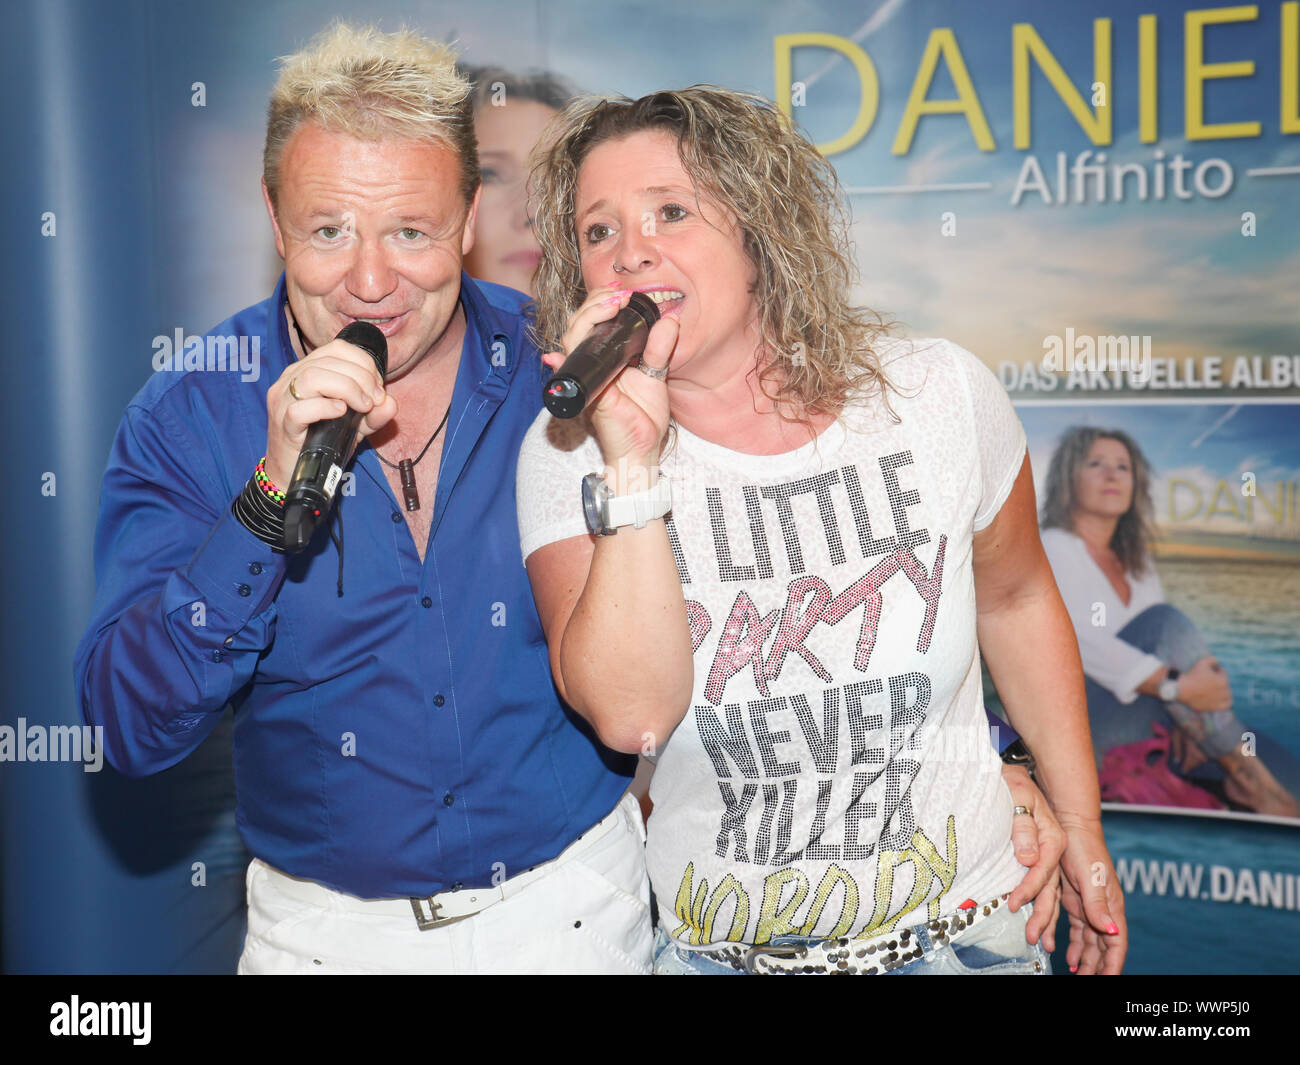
(1168, 690)
(607, 513)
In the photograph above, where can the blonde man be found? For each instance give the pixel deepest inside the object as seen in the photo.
(416, 796)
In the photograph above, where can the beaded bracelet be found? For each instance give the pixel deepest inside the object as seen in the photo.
(276, 495)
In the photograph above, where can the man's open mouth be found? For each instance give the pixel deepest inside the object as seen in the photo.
(388, 326)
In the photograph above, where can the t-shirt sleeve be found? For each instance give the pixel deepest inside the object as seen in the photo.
(556, 455)
(1000, 438)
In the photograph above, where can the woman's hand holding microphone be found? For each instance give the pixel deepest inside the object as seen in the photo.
(630, 416)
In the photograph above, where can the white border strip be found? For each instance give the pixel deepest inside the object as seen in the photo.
(1221, 815)
(1083, 399)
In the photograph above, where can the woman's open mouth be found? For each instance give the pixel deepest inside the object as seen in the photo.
(666, 299)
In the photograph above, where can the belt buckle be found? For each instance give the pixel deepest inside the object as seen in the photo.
(433, 920)
(785, 950)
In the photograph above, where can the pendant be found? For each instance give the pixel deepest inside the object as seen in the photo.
(410, 495)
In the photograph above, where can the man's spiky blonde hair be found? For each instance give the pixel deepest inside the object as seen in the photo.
(373, 85)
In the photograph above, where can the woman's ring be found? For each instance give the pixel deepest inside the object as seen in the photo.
(1022, 810)
(653, 371)
(292, 390)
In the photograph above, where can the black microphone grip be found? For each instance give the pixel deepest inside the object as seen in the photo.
(602, 354)
(326, 451)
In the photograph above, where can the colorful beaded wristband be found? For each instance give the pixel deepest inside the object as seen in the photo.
(264, 483)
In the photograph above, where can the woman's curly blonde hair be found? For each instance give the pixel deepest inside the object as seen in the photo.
(785, 198)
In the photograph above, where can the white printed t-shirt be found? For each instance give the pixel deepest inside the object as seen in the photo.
(834, 774)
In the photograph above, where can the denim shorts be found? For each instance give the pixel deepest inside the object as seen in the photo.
(993, 947)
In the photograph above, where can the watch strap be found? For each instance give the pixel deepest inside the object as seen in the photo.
(639, 508)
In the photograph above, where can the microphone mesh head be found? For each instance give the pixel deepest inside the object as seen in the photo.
(366, 335)
(647, 307)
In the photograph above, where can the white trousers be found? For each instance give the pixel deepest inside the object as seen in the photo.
(587, 911)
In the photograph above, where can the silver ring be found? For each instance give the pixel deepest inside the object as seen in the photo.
(653, 371)
(1022, 810)
(292, 390)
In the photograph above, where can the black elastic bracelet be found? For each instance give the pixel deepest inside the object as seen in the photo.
(259, 515)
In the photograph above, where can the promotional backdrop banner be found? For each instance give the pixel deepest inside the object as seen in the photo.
(1099, 200)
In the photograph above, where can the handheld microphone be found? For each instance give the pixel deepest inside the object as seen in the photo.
(327, 449)
(606, 350)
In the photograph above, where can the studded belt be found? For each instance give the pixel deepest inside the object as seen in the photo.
(861, 957)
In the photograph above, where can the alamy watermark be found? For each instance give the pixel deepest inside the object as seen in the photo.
(53, 743)
(1097, 354)
(225, 354)
(76, 1018)
(965, 745)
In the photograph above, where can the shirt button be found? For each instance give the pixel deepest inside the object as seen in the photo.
(448, 799)
(438, 700)
(426, 602)
(255, 568)
(397, 518)
(217, 656)
(245, 590)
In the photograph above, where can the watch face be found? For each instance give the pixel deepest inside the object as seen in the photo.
(592, 485)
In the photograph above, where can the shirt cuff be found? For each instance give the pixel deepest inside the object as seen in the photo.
(235, 571)
(1127, 690)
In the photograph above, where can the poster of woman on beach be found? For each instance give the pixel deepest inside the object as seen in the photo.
(1173, 533)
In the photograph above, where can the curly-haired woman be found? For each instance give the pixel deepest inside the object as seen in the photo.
(850, 514)
(1149, 671)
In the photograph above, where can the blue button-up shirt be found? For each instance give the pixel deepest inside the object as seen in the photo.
(402, 739)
